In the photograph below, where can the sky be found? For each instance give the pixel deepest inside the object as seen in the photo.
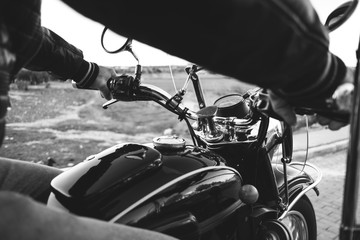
(85, 34)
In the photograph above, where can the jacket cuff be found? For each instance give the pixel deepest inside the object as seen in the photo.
(333, 75)
(86, 75)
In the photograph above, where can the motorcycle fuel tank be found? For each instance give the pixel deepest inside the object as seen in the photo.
(172, 190)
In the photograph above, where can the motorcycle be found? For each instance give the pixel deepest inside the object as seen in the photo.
(224, 185)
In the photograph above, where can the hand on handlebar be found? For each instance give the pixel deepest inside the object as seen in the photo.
(282, 108)
(100, 83)
(344, 101)
(344, 98)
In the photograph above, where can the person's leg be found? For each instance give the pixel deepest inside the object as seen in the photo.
(23, 218)
(24, 31)
(30, 179)
(20, 39)
(7, 61)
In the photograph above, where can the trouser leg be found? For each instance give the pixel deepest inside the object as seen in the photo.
(27, 178)
(22, 218)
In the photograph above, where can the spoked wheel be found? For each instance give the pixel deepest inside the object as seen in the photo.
(298, 224)
(273, 230)
(301, 220)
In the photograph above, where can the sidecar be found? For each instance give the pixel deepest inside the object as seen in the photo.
(183, 191)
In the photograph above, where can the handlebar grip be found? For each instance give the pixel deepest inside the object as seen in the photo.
(123, 87)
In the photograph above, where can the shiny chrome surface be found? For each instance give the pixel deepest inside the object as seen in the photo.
(169, 143)
(296, 224)
(148, 91)
(229, 131)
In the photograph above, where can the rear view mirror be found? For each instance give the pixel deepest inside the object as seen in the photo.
(340, 15)
(127, 46)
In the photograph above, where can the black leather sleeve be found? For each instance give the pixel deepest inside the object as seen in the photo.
(277, 44)
(59, 57)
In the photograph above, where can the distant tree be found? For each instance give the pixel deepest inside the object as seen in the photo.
(26, 77)
(33, 77)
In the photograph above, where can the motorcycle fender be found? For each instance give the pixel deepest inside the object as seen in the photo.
(296, 180)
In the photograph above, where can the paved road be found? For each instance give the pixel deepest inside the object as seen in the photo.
(321, 140)
(328, 206)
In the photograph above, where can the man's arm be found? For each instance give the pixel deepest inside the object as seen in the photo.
(59, 57)
(67, 62)
(280, 45)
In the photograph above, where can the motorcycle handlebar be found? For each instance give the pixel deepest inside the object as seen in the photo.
(126, 88)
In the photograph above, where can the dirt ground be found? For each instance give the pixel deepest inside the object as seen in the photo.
(67, 124)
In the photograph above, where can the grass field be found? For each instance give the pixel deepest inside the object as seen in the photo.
(68, 125)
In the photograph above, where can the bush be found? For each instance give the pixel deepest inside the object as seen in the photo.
(22, 85)
(32, 77)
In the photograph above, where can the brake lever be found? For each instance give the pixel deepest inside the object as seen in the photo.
(110, 102)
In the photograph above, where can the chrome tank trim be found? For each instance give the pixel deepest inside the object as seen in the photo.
(163, 187)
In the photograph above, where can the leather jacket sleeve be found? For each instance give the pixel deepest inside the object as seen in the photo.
(35, 47)
(58, 57)
(276, 44)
